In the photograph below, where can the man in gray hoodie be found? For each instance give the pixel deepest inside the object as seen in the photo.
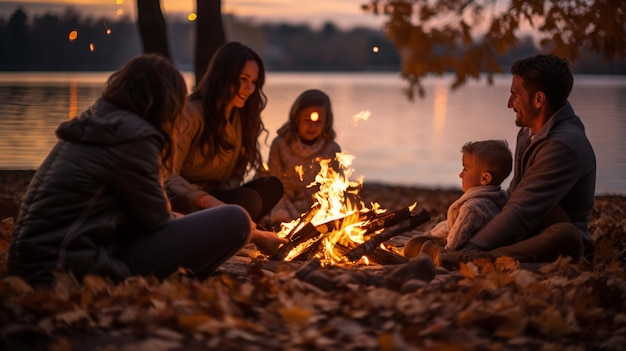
(553, 187)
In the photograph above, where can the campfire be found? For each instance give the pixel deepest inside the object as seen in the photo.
(339, 229)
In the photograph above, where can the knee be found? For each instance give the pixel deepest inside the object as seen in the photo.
(276, 185)
(567, 239)
(237, 220)
(234, 223)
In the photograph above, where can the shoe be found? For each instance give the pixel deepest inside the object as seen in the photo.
(413, 246)
(432, 250)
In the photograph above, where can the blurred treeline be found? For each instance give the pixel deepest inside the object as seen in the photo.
(42, 43)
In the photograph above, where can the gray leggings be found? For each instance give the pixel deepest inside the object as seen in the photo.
(200, 242)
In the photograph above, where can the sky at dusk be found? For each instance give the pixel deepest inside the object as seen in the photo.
(344, 13)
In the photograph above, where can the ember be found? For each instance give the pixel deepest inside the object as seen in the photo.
(339, 228)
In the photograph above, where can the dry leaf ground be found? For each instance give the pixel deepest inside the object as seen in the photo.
(252, 303)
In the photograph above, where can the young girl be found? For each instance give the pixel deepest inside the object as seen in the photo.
(305, 139)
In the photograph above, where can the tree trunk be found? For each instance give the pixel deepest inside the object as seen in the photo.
(152, 27)
(209, 33)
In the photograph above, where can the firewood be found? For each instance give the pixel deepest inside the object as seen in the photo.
(366, 247)
(385, 257)
(386, 220)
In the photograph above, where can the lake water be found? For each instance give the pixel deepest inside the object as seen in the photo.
(402, 142)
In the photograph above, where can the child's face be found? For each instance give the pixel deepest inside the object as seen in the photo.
(471, 174)
(311, 121)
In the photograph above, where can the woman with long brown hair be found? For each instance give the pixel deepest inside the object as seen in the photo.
(218, 138)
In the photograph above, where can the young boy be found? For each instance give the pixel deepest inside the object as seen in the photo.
(485, 166)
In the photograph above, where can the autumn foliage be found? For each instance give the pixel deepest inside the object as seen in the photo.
(466, 37)
(256, 304)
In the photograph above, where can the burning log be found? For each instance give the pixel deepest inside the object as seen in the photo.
(385, 257)
(309, 231)
(366, 247)
(387, 220)
(304, 219)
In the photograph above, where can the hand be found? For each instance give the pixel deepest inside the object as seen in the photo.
(267, 242)
(207, 201)
(177, 215)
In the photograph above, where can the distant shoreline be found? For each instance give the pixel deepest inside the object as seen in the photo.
(185, 68)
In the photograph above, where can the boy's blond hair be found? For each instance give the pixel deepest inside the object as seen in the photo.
(492, 156)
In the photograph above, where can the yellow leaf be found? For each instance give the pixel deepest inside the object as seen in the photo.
(295, 315)
(385, 342)
(506, 263)
(466, 271)
(191, 321)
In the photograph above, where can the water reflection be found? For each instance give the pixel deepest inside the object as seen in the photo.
(402, 142)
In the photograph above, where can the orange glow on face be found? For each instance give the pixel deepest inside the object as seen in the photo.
(73, 35)
(315, 116)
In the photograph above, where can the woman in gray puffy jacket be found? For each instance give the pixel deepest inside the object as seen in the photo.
(97, 204)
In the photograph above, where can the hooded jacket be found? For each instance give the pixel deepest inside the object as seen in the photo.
(195, 174)
(97, 190)
(470, 213)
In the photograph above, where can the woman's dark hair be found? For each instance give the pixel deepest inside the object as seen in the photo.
(152, 88)
(218, 86)
(547, 73)
(308, 98)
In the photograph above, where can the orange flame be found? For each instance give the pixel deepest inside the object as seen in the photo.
(300, 171)
(337, 199)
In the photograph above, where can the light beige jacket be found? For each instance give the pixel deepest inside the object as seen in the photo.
(195, 174)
